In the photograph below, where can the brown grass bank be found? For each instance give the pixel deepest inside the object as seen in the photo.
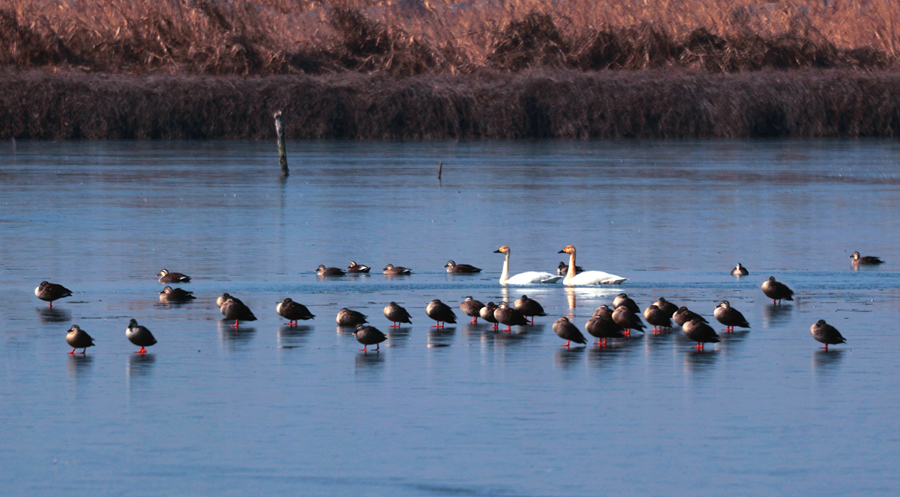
(484, 105)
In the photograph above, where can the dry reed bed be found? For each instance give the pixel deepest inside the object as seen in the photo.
(529, 104)
(410, 37)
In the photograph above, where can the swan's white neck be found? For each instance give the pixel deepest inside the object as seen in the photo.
(504, 276)
(571, 272)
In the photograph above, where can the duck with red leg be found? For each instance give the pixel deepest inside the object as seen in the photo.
(568, 332)
(699, 332)
(48, 292)
(776, 291)
(369, 335)
(505, 314)
(233, 308)
(730, 317)
(529, 308)
(602, 325)
(628, 320)
(440, 312)
(293, 311)
(78, 339)
(487, 313)
(397, 314)
(471, 308)
(825, 333)
(139, 336)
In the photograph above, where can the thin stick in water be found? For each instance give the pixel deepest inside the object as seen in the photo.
(282, 153)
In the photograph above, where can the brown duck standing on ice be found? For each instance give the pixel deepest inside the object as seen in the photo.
(627, 319)
(48, 292)
(167, 277)
(440, 312)
(730, 317)
(776, 290)
(453, 267)
(349, 317)
(487, 313)
(233, 308)
(657, 317)
(78, 339)
(624, 299)
(292, 311)
(683, 315)
(667, 307)
(140, 336)
(568, 332)
(369, 335)
(471, 308)
(825, 333)
(868, 260)
(529, 308)
(699, 332)
(602, 325)
(510, 317)
(397, 314)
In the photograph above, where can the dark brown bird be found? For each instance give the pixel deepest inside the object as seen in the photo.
(623, 299)
(397, 314)
(140, 336)
(78, 339)
(529, 308)
(776, 291)
(699, 332)
(740, 270)
(825, 333)
(471, 308)
(510, 317)
(369, 335)
(392, 270)
(567, 331)
(48, 292)
(233, 308)
(348, 317)
(329, 271)
(487, 313)
(453, 267)
(440, 312)
(292, 311)
(166, 277)
(683, 315)
(655, 316)
(869, 260)
(667, 307)
(730, 317)
(355, 268)
(563, 268)
(169, 294)
(627, 319)
(602, 325)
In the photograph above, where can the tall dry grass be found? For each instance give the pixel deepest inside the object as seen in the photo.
(270, 37)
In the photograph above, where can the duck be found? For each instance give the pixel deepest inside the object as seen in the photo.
(602, 325)
(667, 307)
(683, 315)
(627, 319)
(396, 314)
(78, 339)
(739, 270)
(657, 317)
(487, 313)
(568, 332)
(510, 317)
(166, 277)
(221, 300)
(453, 267)
(349, 317)
(526, 278)
(471, 308)
(293, 311)
(355, 268)
(48, 292)
(825, 333)
(869, 260)
(329, 271)
(440, 312)
(586, 277)
(529, 308)
(392, 270)
(369, 335)
(169, 294)
(140, 336)
(624, 299)
(233, 308)
(729, 316)
(699, 332)
(776, 290)
(562, 269)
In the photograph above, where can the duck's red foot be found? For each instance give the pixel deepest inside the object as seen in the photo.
(474, 321)
(627, 333)
(141, 352)
(699, 346)
(73, 352)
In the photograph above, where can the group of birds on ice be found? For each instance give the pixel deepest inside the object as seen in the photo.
(605, 322)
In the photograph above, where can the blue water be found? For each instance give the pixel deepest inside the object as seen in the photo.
(464, 411)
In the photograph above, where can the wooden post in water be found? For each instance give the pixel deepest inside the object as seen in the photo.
(440, 168)
(282, 153)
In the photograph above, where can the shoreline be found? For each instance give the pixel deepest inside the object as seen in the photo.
(560, 104)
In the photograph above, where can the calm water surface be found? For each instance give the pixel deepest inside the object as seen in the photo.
(271, 409)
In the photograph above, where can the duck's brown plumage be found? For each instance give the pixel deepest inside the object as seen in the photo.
(453, 267)
(349, 317)
(168, 277)
(169, 294)
(233, 308)
(440, 312)
(868, 260)
(683, 315)
(563, 268)
(567, 331)
(667, 307)
(293, 311)
(48, 292)
(510, 317)
(739, 270)
(627, 319)
(623, 299)
(392, 270)
(825, 333)
(329, 271)
(699, 332)
(487, 313)
(729, 316)
(529, 307)
(471, 308)
(78, 339)
(602, 325)
(140, 336)
(776, 290)
(657, 317)
(396, 314)
(357, 268)
(369, 335)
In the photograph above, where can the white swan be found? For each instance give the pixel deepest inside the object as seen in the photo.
(587, 277)
(527, 278)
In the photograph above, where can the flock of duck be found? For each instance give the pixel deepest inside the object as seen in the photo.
(606, 322)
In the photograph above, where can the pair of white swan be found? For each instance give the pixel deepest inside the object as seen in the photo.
(571, 279)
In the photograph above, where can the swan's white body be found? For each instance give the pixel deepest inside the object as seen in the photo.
(526, 278)
(587, 277)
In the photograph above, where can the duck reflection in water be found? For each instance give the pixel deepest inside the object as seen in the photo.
(777, 315)
(440, 337)
(696, 361)
(140, 364)
(369, 362)
(827, 361)
(567, 357)
(229, 333)
(54, 315)
(79, 365)
(290, 336)
(398, 337)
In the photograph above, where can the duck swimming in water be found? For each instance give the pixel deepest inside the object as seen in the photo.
(392, 270)
(869, 260)
(739, 270)
(329, 271)
(453, 267)
(586, 277)
(166, 277)
(355, 268)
